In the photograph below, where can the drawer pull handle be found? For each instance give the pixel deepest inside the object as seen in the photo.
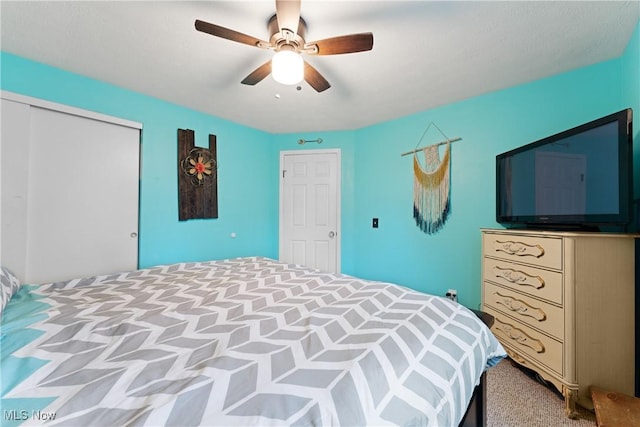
(519, 248)
(521, 307)
(515, 356)
(520, 336)
(519, 277)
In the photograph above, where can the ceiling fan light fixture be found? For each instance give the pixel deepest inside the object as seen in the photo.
(287, 67)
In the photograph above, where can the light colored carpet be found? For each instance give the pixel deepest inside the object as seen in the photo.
(515, 399)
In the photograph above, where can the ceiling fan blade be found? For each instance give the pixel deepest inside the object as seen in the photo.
(314, 78)
(225, 33)
(342, 44)
(288, 13)
(258, 74)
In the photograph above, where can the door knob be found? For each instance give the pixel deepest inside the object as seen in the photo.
(332, 234)
(134, 234)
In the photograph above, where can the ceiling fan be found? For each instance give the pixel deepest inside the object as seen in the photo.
(288, 30)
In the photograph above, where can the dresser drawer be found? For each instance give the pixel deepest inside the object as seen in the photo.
(527, 342)
(537, 282)
(533, 312)
(541, 251)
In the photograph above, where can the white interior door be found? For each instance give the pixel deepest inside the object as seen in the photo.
(310, 208)
(70, 188)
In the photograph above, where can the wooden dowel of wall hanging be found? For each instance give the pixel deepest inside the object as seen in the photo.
(437, 143)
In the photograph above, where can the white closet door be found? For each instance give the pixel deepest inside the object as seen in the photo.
(14, 144)
(82, 197)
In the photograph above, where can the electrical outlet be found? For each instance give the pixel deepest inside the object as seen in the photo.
(374, 223)
(452, 294)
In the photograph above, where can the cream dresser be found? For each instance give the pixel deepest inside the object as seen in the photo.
(564, 306)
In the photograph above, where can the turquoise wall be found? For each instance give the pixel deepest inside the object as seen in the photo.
(631, 72)
(247, 184)
(379, 181)
(376, 180)
(488, 125)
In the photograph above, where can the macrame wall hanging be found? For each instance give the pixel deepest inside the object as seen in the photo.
(432, 184)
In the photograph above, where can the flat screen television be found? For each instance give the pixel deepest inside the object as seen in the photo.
(581, 178)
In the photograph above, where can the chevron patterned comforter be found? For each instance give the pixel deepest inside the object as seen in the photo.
(247, 341)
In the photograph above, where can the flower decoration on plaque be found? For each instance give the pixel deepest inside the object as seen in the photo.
(197, 177)
(200, 166)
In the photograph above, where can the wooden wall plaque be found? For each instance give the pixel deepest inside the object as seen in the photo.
(197, 177)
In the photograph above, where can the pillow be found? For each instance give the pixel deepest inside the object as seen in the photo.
(9, 285)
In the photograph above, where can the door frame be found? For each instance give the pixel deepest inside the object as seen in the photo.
(338, 237)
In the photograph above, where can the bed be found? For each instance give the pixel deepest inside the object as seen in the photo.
(244, 341)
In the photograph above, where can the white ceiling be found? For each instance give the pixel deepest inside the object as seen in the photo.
(425, 53)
